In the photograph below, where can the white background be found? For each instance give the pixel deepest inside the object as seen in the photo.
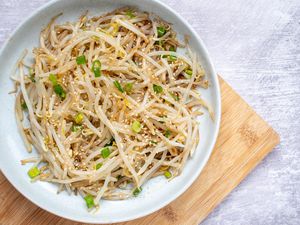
(255, 46)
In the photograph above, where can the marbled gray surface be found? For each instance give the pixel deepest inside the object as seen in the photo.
(255, 45)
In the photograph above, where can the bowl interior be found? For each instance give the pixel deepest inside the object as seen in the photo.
(158, 191)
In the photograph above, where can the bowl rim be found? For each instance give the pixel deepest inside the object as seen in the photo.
(217, 120)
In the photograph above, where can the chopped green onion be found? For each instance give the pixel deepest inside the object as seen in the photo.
(89, 200)
(168, 174)
(57, 87)
(157, 89)
(76, 128)
(137, 191)
(31, 74)
(59, 91)
(105, 152)
(96, 38)
(33, 172)
(172, 49)
(130, 14)
(189, 72)
(81, 60)
(172, 58)
(128, 87)
(32, 78)
(160, 42)
(96, 68)
(98, 166)
(161, 31)
(110, 143)
(118, 85)
(31, 71)
(53, 79)
(136, 126)
(167, 133)
(153, 142)
(174, 96)
(24, 106)
(78, 118)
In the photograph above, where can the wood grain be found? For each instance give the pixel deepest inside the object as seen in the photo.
(244, 140)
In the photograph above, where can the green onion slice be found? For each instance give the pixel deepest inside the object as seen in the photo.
(160, 42)
(105, 152)
(89, 200)
(98, 166)
(137, 191)
(130, 14)
(161, 31)
(172, 49)
(174, 96)
(78, 118)
(76, 128)
(172, 58)
(80, 60)
(53, 79)
(118, 86)
(33, 172)
(128, 87)
(157, 89)
(31, 74)
(168, 174)
(59, 91)
(189, 72)
(167, 133)
(136, 126)
(153, 142)
(96, 68)
(24, 106)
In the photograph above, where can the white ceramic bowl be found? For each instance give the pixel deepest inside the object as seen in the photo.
(158, 192)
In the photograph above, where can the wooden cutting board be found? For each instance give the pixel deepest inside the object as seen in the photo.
(244, 140)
